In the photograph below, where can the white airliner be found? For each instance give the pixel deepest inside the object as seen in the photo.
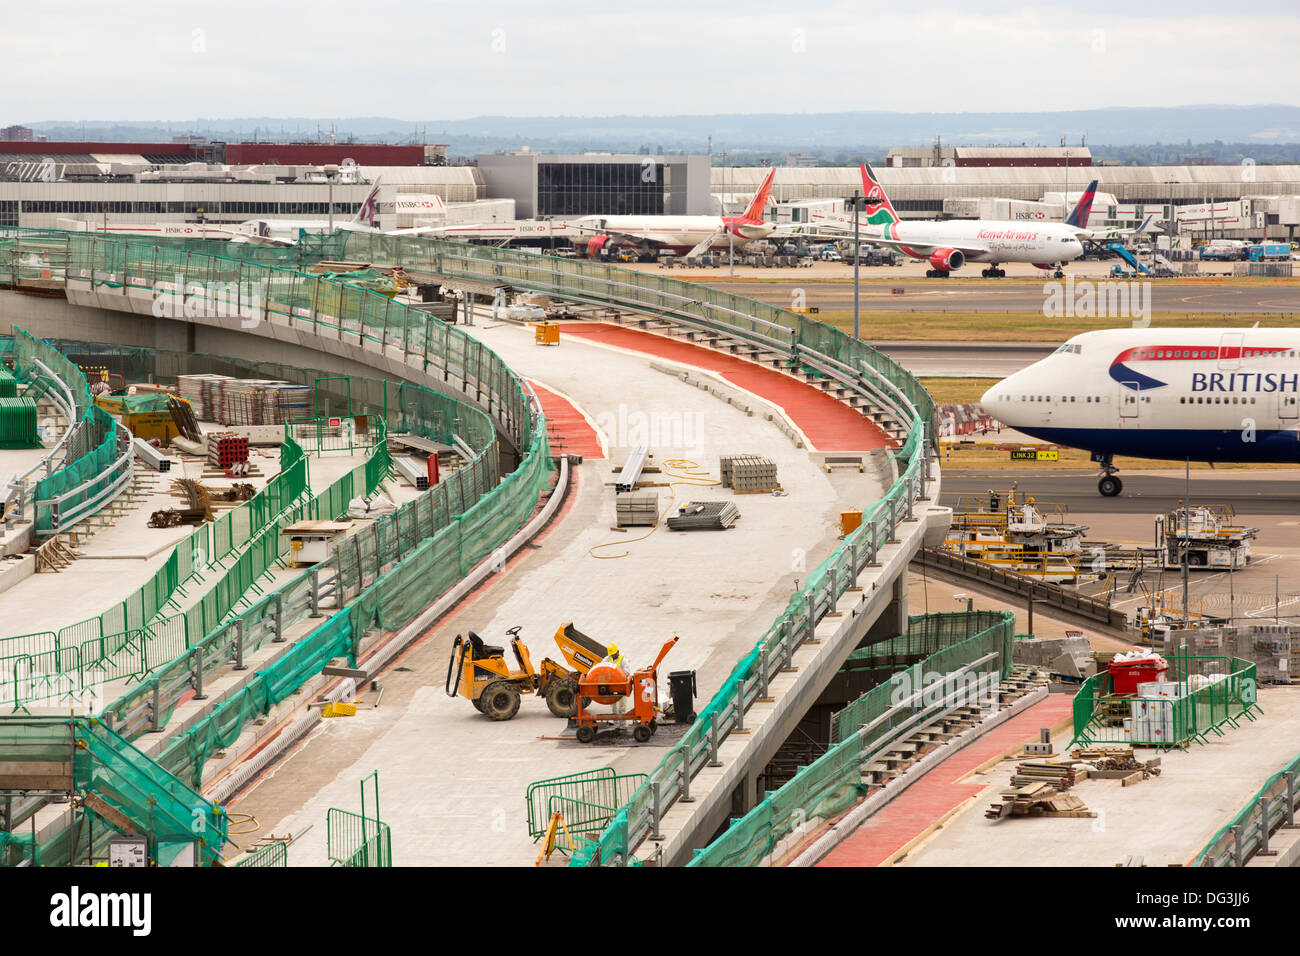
(285, 232)
(1200, 394)
(949, 245)
(692, 235)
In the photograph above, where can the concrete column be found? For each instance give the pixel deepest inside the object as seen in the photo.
(893, 619)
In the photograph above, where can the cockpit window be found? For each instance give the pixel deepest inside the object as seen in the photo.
(1073, 348)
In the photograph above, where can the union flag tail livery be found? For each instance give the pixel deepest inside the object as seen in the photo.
(754, 211)
(880, 211)
(1079, 217)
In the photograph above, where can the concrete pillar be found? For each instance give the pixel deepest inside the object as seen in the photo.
(893, 619)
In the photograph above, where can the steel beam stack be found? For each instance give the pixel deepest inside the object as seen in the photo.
(630, 473)
(704, 516)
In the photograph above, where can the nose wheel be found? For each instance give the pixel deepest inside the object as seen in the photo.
(1109, 486)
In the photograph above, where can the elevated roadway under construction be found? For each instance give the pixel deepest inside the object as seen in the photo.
(453, 780)
(718, 591)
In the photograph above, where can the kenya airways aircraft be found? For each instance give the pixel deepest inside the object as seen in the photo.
(1204, 394)
(692, 235)
(948, 245)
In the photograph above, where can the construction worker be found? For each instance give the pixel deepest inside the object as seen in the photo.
(615, 657)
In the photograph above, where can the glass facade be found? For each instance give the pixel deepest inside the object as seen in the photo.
(613, 189)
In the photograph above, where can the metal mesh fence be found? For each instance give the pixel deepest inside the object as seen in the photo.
(833, 782)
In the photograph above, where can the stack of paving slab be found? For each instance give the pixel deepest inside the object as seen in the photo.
(636, 509)
(241, 401)
(748, 473)
(1273, 648)
(704, 516)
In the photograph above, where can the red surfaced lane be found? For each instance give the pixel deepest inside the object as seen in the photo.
(920, 805)
(828, 424)
(569, 431)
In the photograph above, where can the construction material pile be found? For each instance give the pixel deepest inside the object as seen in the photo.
(239, 491)
(748, 473)
(632, 510)
(1038, 787)
(239, 401)
(704, 516)
(226, 449)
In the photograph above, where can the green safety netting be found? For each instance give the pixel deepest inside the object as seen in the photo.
(114, 778)
(91, 451)
(833, 782)
(946, 641)
(122, 640)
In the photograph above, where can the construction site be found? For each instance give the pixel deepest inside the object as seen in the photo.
(511, 561)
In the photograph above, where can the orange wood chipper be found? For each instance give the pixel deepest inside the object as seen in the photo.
(607, 684)
(483, 677)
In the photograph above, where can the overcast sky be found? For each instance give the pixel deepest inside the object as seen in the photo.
(125, 60)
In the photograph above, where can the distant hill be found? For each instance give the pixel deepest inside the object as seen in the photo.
(812, 132)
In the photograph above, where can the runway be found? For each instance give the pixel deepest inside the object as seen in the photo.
(995, 295)
(964, 359)
(1143, 494)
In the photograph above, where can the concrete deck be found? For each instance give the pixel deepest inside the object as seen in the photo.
(1166, 820)
(942, 791)
(452, 782)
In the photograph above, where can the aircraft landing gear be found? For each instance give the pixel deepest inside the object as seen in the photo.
(936, 273)
(993, 272)
(1109, 484)
(1059, 273)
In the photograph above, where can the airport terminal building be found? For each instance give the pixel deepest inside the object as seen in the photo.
(137, 184)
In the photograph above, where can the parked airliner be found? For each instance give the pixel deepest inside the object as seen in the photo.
(1201, 394)
(285, 232)
(949, 245)
(692, 235)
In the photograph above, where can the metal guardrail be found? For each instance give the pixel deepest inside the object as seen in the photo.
(112, 481)
(833, 781)
(596, 794)
(1273, 807)
(1043, 592)
(356, 840)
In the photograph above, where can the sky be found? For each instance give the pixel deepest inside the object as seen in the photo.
(134, 60)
